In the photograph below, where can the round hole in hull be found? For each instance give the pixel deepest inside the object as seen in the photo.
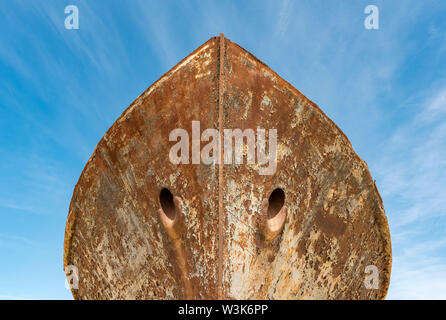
(275, 202)
(167, 204)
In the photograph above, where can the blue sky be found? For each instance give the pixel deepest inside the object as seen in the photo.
(60, 90)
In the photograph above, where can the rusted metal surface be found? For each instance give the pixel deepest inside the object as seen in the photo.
(223, 241)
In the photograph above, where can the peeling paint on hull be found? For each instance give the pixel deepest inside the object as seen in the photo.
(335, 224)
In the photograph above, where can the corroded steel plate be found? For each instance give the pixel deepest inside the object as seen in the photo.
(142, 227)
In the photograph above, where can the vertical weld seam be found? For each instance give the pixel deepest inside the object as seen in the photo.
(220, 169)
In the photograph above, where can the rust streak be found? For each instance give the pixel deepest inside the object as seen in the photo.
(220, 169)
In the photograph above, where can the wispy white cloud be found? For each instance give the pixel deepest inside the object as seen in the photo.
(413, 163)
(157, 26)
(11, 297)
(411, 173)
(283, 18)
(436, 107)
(43, 181)
(16, 206)
(419, 272)
(14, 240)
